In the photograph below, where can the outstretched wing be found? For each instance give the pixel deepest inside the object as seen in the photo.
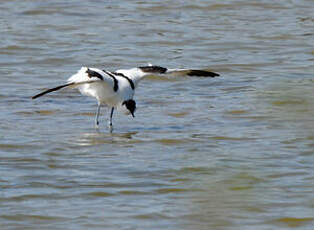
(192, 73)
(85, 76)
(90, 74)
(136, 74)
(51, 90)
(177, 72)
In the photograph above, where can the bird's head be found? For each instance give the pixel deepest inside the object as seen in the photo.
(130, 106)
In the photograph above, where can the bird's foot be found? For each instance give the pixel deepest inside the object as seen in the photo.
(110, 127)
(97, 125)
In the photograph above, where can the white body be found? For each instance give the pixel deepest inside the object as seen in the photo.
(103, 90)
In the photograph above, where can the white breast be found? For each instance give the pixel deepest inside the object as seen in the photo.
(103, 90)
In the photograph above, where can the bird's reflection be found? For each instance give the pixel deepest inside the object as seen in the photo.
(98, 138)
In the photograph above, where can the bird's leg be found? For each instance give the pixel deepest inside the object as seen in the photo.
(97, 116)
(110, 121)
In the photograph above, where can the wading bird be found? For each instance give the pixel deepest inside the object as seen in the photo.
(116, 89)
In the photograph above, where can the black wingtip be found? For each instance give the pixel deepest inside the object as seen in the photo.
(51, 90)
(202, 73)
(39, 95)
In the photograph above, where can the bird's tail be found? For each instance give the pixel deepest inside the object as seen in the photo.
(52, 90)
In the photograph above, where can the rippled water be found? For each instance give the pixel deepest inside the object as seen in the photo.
(234, 152)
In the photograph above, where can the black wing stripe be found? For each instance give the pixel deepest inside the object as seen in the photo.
(153, 69)
(92, 73)
(127, 78)
(115, 81)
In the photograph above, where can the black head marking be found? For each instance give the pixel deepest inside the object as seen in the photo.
(130, 105)
(153, 69)
(92, 73)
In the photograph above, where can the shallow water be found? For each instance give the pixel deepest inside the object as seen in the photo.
(234, 152)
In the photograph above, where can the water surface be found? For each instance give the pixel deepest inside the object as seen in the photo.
(234, 152)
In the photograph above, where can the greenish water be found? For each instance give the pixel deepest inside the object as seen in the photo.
(234, 152)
